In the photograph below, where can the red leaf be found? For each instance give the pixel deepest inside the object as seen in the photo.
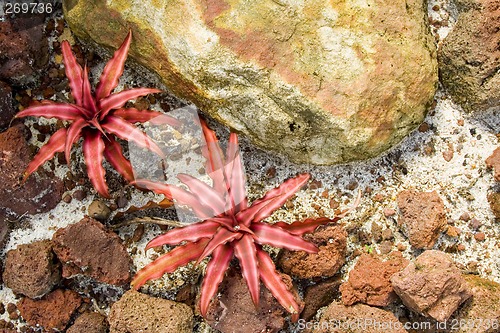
(169, 262)
(60, 111)
(235, 175)
(113, 70)
(154, 186)
(118, 100)
(205, 194)
(277, 237)
(87, 99)
(221, 237)
(114, 154)
(126, 131)
(53, 146)
(73, 73)
(246, 253)
(154, 117)
(190, 233)
(74, 132)
(272, 280)
(213, 154)
(93, 148)
(214, 275)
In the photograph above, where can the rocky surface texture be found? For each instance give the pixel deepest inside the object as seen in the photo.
(331, 241)
(422, 217)
(31, 269)
(53, 311)
(493, 162)
(234, 311)
(89, 322)
(321, 82)
(90, 249)
(353, 319)
(37, 194)
(469, 56)
(432, 285)
(318, 296)
(136, 313)
(7, 110)
(369, 281)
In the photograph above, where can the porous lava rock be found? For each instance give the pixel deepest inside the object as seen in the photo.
(493, 162)
(88, 248)
(234, 311)
(136, 313)
(432, 285)
(7, 110)
(53, 311)
(422, 217)
(359, 318)
(469, 56)
(89, 322)
(332, 244)
(31, 269)
(319, 295)
(369, 280)
(321, 82)
(40, 193)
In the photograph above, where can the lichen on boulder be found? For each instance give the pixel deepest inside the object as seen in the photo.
(321, 82)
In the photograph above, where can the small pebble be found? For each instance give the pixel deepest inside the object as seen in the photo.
(401, 247)
(121, 201)
(378, 197)
(480, 236)
(453, 231)
(99, 210)
(448, 155)
(387, 234)
(385, 247)
(475, 224)
(334, 204)
(79, 195)
(460, 247)
(465, 216)
(388, 212)
(424, 127)
(67, 198)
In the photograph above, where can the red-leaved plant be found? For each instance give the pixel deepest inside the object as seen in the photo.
(230, 227)
(98, 117)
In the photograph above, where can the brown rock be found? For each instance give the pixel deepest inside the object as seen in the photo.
(53, 311)
(494, 200)
(88, 248)
(7, 110)
(431, 285)
(484, 304)
(422, 217)
(99, 210)
(23, 48)
(137, 313)
(358, 318)
(318, 296)
(493, 162)
(369, 281)
(89, 322)
(331, 241)
(31, 269)
(37, 194)
(469, 56)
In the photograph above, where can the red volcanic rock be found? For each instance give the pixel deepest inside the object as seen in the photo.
(493, 162)
(31, 270)
(331, 241)
(318, 296)
(89, 322)
(422, 217)
(88, 248)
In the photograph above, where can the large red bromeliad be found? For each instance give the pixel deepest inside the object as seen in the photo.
(98, 118)
(230, 227)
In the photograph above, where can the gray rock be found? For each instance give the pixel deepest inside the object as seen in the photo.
(322, 82)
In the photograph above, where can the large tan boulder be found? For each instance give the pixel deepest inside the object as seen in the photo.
(320, 81)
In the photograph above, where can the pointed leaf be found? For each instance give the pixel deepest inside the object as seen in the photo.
(88, 102)
(288, 188)
(114, 154)
(307, 226)
(214, 275)
(154, 117)
(126, 131)
(169, 262)
(60, 111)
(154, 186)
(190, 233)
(113, 69)
(235, 175)
(118, 100)
(73, 73)
(206, 194)
(74, 132)
(93, 149)
(47, 152)
(272, 280)
(222, 236)
(215, 162)
(246, 253)
(277, 237)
